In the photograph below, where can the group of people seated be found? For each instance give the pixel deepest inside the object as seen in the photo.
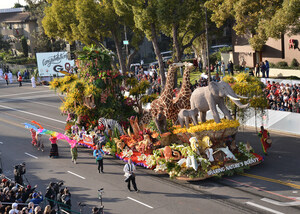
(18, 199)
(283, 97)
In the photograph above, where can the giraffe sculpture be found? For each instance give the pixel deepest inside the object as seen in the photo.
(182, 101)
(165, 100)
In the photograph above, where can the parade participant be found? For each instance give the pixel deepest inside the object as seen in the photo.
(20, 80)
(129, 170)
(6, 78)
(10, 77)
(74, 153)
(39, 144)
(54, 148)
(33, 136)
(265, 139)
(33, 82)
(98, 154)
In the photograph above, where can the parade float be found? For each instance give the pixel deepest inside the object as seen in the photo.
(168, 138)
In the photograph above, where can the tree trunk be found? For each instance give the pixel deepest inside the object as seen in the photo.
(177, 48)
(119, 52)
(158, 55)
(130, 58)
(176, 44)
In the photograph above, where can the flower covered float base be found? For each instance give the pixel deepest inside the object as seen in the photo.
(215, 131)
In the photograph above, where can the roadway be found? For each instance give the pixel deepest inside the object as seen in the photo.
(271, 187)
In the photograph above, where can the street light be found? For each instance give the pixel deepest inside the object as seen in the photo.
(207, 50)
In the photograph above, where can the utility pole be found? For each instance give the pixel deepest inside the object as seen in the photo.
(126, 45)
(207, 49)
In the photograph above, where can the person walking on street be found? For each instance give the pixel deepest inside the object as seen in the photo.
(20, 80)
(54, 148)
(10, 77)
(74, 153)
(6, 78)
(265, 139)
(129, 170)
(98, 154)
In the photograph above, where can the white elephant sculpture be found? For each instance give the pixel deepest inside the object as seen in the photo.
(185, 115)
(207, 98)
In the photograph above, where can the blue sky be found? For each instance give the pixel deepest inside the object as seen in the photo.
(10, 3)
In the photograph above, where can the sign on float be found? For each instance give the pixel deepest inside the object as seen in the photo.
(51, 63)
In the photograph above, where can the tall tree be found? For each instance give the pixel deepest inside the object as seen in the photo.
(261, 18)
(88, 21)
(43, 43)
(145, 18)
(183, 21)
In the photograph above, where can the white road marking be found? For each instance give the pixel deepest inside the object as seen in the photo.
(140, 202)
(37, 115)
(76, 175)
(31, 155)
(263, 208)
(282, 204)
(9, 95)
(1, 142)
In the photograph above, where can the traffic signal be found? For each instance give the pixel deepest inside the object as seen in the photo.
(71, 48)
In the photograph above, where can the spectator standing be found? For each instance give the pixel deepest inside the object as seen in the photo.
(223, 69)
(200, 64)
(37, 198)
(229, 68)
(263, 69)
(129, 170)
(66, 199)
(98, 154)
(267, 68)
(257, 70)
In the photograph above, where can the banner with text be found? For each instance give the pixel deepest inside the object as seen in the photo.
(50, 63)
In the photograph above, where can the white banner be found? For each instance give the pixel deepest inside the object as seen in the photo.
(50, 63)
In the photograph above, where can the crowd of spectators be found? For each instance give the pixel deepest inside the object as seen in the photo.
(18, 199)
(283, 97)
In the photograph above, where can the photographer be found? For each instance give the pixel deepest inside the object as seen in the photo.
(50, 194)
(18, 172)
(37, 198)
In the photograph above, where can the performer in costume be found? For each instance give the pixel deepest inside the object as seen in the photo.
(264, 136)
(54, 148)
(33, 136)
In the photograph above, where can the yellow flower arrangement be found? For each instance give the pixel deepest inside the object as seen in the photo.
(209, 125)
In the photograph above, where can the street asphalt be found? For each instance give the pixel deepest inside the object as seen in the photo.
(270, 187)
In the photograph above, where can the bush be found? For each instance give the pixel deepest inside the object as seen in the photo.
(214, 57)
(282, 64)
(236, 67)
(272, 65)
(294, 63)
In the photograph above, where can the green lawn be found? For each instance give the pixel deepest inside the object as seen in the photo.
(193, 76)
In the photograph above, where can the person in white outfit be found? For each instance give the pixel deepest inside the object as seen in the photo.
(129, 170)
(33, 82)
(10, 77)
(1, 74)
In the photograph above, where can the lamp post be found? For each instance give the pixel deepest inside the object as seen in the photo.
(207, 50)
